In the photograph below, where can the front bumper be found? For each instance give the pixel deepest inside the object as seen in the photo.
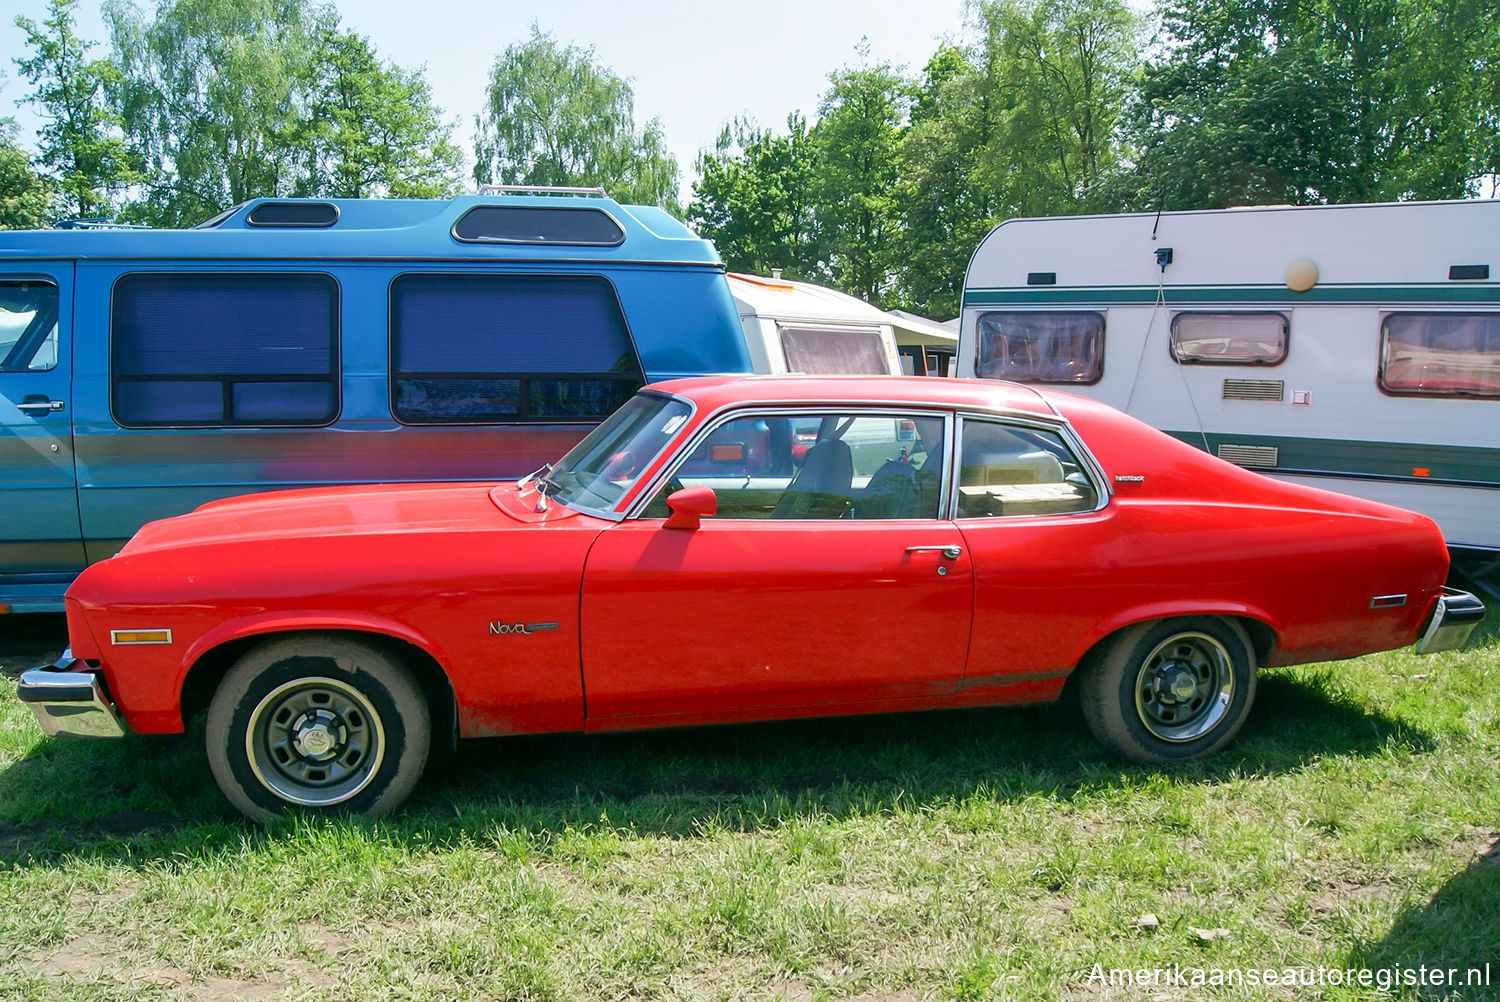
(70, 702)
(1454, 618)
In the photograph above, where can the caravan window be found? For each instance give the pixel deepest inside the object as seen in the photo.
(28, 326)
(1229, 338)
(822, 350)
(473, 349)
(1041, 347)
(1440, 354)
(196, 350)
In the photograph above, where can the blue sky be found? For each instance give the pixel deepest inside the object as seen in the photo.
(693, 64)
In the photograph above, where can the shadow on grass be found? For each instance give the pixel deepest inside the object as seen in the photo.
(1457, 931)
(145, 799)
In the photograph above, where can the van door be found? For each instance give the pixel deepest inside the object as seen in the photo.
(40, 545)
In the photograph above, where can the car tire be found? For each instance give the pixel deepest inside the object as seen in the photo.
(1171, 690)
(320, 723)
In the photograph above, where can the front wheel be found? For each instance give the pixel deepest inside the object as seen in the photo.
(1171, 690)
(317, 722)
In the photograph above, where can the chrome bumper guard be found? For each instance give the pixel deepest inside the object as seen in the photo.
(1455, 617)
(68, 702)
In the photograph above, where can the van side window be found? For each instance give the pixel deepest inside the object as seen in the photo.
(1440, 354)
(1014, 470)
(471, 349)
(819, 350)
(224, 349)
(1041, 347)
(28, 326)
(1229, 338)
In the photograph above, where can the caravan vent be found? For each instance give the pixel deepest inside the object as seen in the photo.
(1254, 389)
(1249, 455)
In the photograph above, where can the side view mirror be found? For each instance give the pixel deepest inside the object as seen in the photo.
(690, 506)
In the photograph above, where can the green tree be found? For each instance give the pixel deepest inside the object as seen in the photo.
(370, 128)
(858, 139)
(1062, 71)
(1322, 101)
(1026, 120)
(754, 198)
(209, 94)
(948, 195)
(25, 196)
(553, 116)
(80, 141)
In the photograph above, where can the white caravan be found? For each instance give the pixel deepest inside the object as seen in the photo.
(1355, 348)
(799, 327)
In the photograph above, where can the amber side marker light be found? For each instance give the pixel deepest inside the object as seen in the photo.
(4, 608)
(121, 638)
(1421, 471)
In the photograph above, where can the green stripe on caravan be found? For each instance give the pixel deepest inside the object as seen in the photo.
(1444, 464)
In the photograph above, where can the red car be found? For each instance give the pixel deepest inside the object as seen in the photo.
(733, 549)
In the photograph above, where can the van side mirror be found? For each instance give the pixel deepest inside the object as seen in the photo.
(690, 506)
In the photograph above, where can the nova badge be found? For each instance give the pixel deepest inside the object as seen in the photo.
(524, 629)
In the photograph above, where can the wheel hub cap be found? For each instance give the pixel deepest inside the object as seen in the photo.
(317, 736)
(1180, 684)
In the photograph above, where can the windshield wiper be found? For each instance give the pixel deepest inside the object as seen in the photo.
(525, 481)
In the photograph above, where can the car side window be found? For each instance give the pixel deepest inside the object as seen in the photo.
(1007, 469)
(816, 466)
(28, 326)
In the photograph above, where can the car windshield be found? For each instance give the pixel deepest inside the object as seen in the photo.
(599, 470)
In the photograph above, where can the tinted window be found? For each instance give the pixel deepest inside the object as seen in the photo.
(1441, 354)
(496, 348)
(817, 466)
(1229, 338)
(242, 349)
(1014, 470)
(521, 225)
(821, 350)
(28, 326)
(1041, 347)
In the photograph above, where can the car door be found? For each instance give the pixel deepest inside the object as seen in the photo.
(825, 578)
(1032, 511)
(40, 545)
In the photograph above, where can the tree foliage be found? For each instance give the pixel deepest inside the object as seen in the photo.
(370, 128)
(858, 139)
(81, 143)
(553, 116)
(25, 196)
(1323, 101)
(755, 199)
(208, 94)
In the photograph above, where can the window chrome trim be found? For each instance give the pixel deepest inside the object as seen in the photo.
(730, 412)
(1103, 490)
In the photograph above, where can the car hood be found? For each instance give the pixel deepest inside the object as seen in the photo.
(375, 510)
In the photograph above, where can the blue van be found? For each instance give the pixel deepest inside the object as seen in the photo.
(287, 343)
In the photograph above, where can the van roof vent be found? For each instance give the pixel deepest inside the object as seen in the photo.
(293, 213)
(522, 224)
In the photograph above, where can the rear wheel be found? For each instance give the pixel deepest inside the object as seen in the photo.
(1171, 690)
(318, 722)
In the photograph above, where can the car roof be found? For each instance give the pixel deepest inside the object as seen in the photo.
(715, 392)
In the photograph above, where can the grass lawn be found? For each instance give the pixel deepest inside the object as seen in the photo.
(990, 854)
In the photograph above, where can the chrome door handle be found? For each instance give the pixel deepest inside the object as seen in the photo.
(949, 550)
(39, 406)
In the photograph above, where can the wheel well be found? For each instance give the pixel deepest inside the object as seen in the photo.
(209, 670)
(1262, 643)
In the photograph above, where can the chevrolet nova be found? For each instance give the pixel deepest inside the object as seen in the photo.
(734, 549)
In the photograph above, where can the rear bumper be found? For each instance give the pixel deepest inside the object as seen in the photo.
(70, 702)
(1453, 619)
